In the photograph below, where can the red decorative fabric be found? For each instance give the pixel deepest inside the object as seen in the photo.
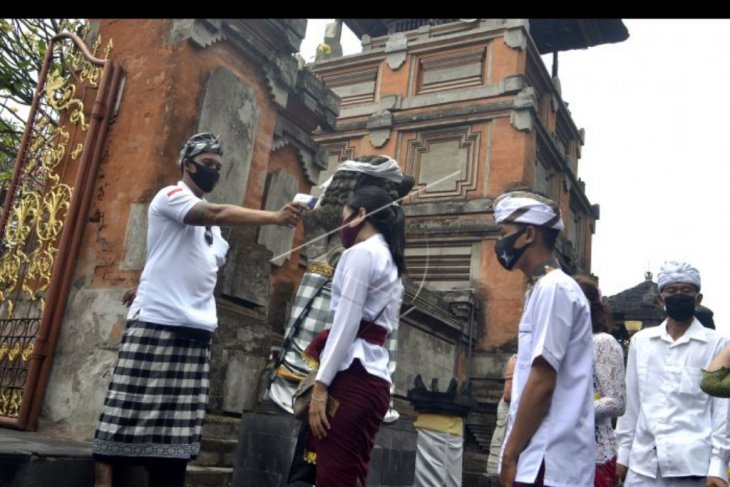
(371, 333)
(343, 456)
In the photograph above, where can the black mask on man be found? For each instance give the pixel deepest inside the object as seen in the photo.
(680, 307)
(204, 178)
(507, 255)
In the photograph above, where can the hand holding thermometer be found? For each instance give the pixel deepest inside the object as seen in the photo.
(304, 199)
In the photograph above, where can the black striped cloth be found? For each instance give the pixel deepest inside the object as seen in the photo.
(157, 396)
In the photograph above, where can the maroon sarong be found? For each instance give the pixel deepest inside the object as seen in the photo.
(361, 401)
(605, 473)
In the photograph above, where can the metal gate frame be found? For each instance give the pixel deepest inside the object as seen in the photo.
(39, 357)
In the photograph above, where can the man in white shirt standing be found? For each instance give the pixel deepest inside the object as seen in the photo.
(550, 438)
(672, 433)
(154, 408)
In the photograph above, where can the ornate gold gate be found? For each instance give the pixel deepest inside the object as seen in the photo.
(44, 213)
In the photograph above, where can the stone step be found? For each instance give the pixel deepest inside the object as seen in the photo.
(217, 452)
(474, 461)
(479, 480)
(481, 433)
(199, 476)
(217, 426)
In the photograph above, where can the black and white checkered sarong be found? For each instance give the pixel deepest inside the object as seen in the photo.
(157, 396)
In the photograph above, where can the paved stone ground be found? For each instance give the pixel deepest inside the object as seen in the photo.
(29, 459)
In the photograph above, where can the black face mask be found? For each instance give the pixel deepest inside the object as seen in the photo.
(204, 178)
(507, 255)
(680, 307)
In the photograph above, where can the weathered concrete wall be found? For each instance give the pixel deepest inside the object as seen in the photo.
(230, 110)
(423, 353)
(238, 357)
(281, 190)
(85, 355)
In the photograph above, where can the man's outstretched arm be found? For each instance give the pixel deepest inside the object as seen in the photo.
(205, 213)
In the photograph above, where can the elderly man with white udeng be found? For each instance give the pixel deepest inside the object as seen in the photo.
(673, 434)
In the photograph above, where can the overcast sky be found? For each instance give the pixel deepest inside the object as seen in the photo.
(655, 110)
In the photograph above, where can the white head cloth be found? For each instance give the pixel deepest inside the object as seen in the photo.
(389, 170)
(527, 208)
(673, 272)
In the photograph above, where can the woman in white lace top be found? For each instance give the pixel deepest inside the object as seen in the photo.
(608, 384)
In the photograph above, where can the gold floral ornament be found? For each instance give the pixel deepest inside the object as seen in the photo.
(60, 94)
(4, 349)
(14, 408)
(48, 226)
(9, 270)
(108, 49)
(42, 128)
(14, 352)
(54, 149)
(77, 151)
(22, 219)
(27, 351)
(4, 401)
(9, 402)
(10, 305)
(48, 149)
(38, 278)
(87, 71)
(53, 212)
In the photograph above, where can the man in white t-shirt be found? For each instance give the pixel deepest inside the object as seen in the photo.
(154, 408)
(550, 436)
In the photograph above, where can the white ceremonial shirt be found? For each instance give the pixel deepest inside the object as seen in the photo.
(556, 325)
(671, 428)
(176, 286)
(366, 281)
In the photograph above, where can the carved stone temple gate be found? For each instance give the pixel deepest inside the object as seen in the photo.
(44, 215)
